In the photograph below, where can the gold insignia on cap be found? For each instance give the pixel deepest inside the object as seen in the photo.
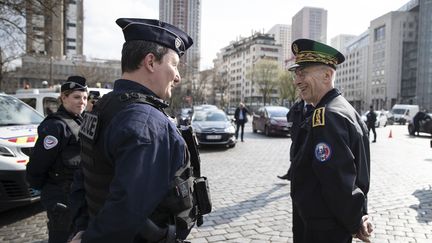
(295, 48)
(311, 56)
(177, 42)
(318, 118)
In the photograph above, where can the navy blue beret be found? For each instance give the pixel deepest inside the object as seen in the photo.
(74, 83)
(155, 31)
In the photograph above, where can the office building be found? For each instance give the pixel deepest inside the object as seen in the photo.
(237, 62)
(282, 35)
(341, 41)
(56, 32)
(310, 23)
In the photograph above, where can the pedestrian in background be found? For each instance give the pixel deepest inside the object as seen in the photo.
(137, 173)
(330, 167)
(371, 118)
(240, 116)
(56, 156)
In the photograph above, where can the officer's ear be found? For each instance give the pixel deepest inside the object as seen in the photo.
(148, 62)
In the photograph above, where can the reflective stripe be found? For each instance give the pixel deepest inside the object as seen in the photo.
(23, 140)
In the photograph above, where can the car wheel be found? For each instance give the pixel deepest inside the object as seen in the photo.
(232, 145)
(411, 130)
(266, 131)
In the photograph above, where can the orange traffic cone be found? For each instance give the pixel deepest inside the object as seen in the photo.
(390, 134)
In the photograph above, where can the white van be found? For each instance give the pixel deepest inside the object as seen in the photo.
(18, 135)
(45, 101)
(403, 113)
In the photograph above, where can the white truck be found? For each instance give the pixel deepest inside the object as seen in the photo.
(403, 113)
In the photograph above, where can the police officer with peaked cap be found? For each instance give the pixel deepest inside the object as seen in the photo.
(135, 162)
(330, 164)
(56, 156)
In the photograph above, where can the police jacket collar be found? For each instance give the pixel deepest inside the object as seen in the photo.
(128, 86)
(328, 97)
(125, 85)
(63, 110)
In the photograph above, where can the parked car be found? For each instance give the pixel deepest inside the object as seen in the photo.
(18, 134)
(213, 127)
(271, 120)
(425, 125)
(381, 118)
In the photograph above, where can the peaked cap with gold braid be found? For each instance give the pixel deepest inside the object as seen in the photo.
(310, 52)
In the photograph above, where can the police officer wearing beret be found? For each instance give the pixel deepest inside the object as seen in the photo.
(136, 163)
(56, 156)
(330, 168)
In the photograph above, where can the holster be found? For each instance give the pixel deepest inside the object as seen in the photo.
(202, 193)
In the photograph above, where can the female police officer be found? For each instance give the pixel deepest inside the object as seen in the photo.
(56, 156)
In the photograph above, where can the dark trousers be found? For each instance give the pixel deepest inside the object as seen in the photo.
(304, 233)
(240, 124)
(373, 130)
(56, 202)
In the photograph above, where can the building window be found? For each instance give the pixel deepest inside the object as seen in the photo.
(70, 40)
(70, 47)
(71, 25)
(379, 33)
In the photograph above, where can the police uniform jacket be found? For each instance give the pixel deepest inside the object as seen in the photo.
(56, 152)
(330, 169)
(146, 150)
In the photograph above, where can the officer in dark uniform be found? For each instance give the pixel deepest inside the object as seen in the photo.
(371, 118)
(330, 155)
(57, 155)
(296, 115)
(137, 175)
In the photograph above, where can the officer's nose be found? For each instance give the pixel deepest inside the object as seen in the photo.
(177, 78)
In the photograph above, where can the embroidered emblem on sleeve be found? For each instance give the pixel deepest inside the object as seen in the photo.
(50, 142)
(318, 118)
(322, 152)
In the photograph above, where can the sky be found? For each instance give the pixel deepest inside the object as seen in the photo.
(223, 21)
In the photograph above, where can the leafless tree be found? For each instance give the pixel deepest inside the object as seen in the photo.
(287, 90)
(265, 74)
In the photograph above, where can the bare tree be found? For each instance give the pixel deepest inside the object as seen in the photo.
(13, 28)
(265, 74)
(287, 90)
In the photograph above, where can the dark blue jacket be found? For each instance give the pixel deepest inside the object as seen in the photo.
(146, 150)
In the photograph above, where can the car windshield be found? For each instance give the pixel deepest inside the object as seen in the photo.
(277, 112)
(210, 116)
(399, 111)
(15, 112)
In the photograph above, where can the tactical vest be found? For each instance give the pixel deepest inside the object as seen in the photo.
(69, 159)
(178, 206)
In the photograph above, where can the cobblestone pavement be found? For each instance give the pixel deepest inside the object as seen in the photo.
(251, 205)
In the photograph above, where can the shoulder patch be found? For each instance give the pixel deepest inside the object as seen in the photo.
(318, 118)
(50, 142)
(323, 152)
